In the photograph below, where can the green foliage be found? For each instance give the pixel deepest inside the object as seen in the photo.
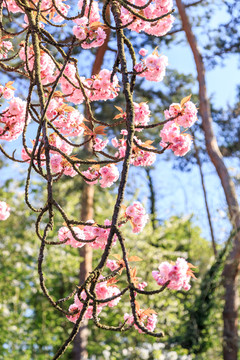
(197, 333)
(31, 328)
(176, 237)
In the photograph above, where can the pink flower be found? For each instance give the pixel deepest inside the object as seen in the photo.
(91, 174)
(137, 215)
(142, 113)
(142, 285)
(103, 291)
(182, 144)
(6, 92)
(178, 274)
(155, 67)
(65, 234)
(109, 175)
(56, 163)
(179, 143)
(5, 46)
(151, 322)
(169, 132)
(47, 64)
(146, 318)
(100, 144)
(112, 264)
(13, 119)
(17, 107)
(143, 52)
(77, 305)
(60, 144)
(124, 132)
(186, 115)
(153, 10)
(4, 210)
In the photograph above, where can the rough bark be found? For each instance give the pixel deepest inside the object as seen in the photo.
(87, 213)
(230, 332)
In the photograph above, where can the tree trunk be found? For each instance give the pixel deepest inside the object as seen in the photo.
(205, 196)
(80, 341)
(87, 213)
(230, 313)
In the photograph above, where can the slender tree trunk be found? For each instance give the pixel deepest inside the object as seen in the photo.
(230, 313)
(205, 197)
(87, 213)
(81, 340)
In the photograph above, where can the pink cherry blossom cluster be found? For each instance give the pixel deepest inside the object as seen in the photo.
(94, 13)
(102, 86)
(12, 6)
(46, 8)
(142, 157)
(73, 93)
(90, 35)
(6, 91)
(142, 114)
(5, 47)
(108, 175)
(48, 67)
(137, 215)
(99, 234)
(60, 144)
(153, 67)
(112, 264)
(147, 320)
(180, 143)
(179, 274)
(185, 115)
(103, 291)
(64, 234)
(4, 210)
(139, 157)
(13, 120)
(66, 119)
(96, 236)
(98, 87)
(99, 144)
(58, 163)
(26, 156)
(155, 9)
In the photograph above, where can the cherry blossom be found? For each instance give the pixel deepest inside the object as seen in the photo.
(179, 274)
(153, 10)
(5, 47)
(186, 114)
(109, 175)
(89, 35)
(13, 120)
(64, 234)
(4, 210)
(180, 143)
(153, 67)
(137, 215)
